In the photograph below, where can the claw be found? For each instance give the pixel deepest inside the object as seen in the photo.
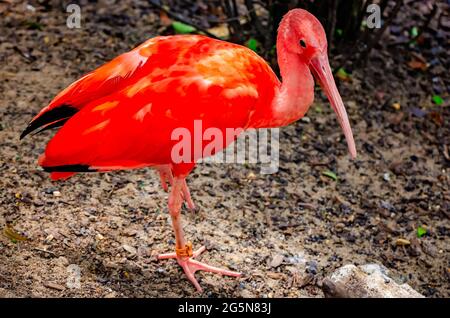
(190, 265)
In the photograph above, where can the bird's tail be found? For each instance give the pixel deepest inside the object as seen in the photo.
(55, 175)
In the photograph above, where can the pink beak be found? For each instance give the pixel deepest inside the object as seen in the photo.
(321, 69)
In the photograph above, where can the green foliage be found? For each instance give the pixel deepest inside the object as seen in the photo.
(438, 100)
(330, 174)
(181, 28)
(421, 231)
(252, 44)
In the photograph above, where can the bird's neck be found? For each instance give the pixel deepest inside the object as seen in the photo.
(293, 96)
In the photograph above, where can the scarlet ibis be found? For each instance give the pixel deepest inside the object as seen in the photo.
(121, 115)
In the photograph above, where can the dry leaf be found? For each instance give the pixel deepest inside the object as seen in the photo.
(396, 106)
(10, 233)
(221, 31)
(418, 65)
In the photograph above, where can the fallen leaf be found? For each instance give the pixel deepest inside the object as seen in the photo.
(414, 32)
(252, 44)
(343, 75)
(437, 118)
(438, 100)
(421, 231)
(182, 28)
(10, 233)
(418, 65)
(221, 31)
(330, 174)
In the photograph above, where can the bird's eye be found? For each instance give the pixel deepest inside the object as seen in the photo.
(303, 43)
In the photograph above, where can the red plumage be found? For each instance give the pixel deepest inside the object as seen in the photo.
(123, 114)
(128, 108)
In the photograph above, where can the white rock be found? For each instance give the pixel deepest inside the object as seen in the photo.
(130, 249)
(365, 281)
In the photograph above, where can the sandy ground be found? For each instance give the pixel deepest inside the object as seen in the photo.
(284, 231)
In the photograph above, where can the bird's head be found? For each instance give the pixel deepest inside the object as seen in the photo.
(304, 36)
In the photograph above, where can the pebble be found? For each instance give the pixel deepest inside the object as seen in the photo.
(339, 227)
(402, 242)
(111, 295)
(49, 238)
(276, 261)
(130, 249)
(306, 119)
(63, 261)
(56, 193)
(311, 267)
(388, 206)
(366, 281)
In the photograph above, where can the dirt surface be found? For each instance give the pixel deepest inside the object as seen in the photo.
(284, 231)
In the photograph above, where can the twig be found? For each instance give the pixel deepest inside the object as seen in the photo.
(333, 9)
(254, 18)
(180, 18)
(44, 251)
(361, 17)
(234, 26)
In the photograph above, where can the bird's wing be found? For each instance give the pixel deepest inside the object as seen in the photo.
(214, 82)
(120, 72)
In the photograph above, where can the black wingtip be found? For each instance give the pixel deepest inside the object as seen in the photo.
(69, 168)
(26, 131)
(55, 117)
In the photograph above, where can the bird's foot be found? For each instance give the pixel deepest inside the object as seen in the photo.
(185, 258)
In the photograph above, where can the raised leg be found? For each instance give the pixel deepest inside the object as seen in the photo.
(183, 250)
(166, 178)
(187, 196)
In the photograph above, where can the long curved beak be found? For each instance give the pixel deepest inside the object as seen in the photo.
(320, 67)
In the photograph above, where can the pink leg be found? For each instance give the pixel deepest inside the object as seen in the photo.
(184, 254)
(166, 178)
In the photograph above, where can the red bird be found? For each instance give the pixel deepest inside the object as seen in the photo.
(122, 115)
